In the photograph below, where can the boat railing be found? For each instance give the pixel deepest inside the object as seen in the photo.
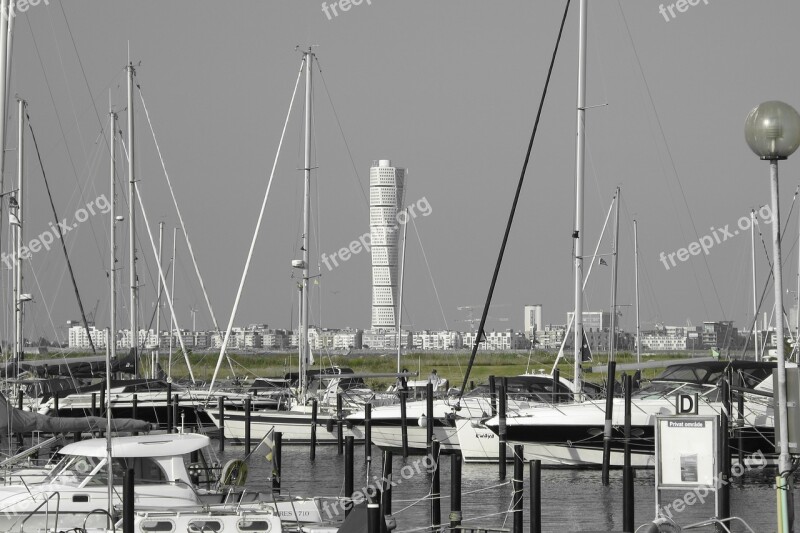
(110, 519)
(479, 529)
(30, 451)
(46, 503)
(721, 522)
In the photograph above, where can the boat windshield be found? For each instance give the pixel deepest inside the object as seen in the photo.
(77, 470)
(692, 374)
(663, 389)
(530, 389)
(73, 470)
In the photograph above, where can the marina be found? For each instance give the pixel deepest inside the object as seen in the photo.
(611, 421)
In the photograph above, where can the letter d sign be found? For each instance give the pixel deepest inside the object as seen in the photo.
(686, 404)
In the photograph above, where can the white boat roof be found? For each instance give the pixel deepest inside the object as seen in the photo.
(139, 446)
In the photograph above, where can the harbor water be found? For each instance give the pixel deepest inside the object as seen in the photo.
(572, 500)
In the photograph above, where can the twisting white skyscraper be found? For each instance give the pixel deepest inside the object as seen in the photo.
(386, 188)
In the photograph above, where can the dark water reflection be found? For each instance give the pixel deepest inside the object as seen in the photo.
(572, 500)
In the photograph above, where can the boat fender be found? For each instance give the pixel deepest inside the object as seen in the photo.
(423, 421)
(234, 473)
(329, 425)
(348, 424)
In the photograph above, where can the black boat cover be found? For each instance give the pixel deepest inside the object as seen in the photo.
(18, 421)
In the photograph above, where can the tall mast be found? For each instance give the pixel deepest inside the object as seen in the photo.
(18, 296)
(134, 301)
(757, 356)
(636, 281)
(112, 334)
(612, 346)
(303, 341)
(400, 298)
(577, 235)
(113, 213)
(9, 38)
(4, 18)
(154, 365)
(172, 292)
(4, 6)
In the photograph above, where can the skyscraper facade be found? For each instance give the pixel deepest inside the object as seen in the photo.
(386, 190)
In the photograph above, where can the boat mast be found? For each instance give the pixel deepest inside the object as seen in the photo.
(577, 235)
(757, 356)
(612, 346)
(154, 363)
(400, 298)
(18, 296)
(112, 337)
(134, 302)
(636, 281)
(303, 341)
(4, 18)
(12, 8)
(172, 292)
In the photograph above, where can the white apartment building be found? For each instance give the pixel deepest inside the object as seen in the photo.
(437, 340)
(497, 340)
(78, 338)
(552, 337)
(348, 338)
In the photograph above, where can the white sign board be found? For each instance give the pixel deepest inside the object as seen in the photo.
(686, 448)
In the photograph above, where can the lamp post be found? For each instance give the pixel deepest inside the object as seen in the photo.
(772, 130)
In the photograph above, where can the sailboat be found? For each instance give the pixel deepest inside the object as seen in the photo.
(299, 420)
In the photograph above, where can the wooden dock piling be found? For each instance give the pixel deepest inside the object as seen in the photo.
(455, 491)
(368, 433)
(348, 471)
(339, 429)
(247, 420)
(276, 462)
(608, 429)
(436, 491)
(627, 468)
(313, 450)
(536, 496)
(501, 444)
(516, 484)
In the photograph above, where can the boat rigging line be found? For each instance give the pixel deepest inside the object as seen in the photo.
(485, 312)
(255, 233)
(60, 236)
(180, 217)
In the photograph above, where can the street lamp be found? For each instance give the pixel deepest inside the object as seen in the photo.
(772, 130)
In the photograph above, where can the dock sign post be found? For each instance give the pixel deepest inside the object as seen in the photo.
(686, 452)
(687, 404)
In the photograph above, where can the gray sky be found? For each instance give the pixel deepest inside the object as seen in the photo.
(448, 89)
